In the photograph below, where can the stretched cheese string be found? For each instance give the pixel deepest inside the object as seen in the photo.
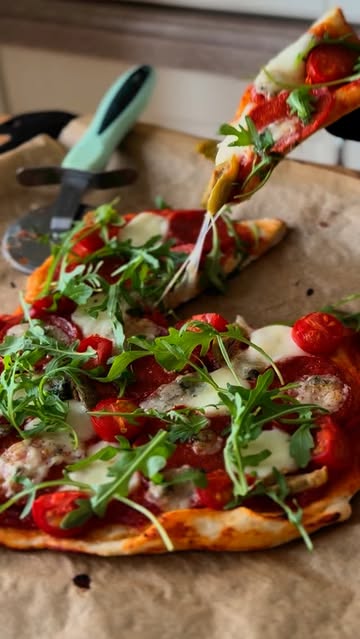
(191, 265)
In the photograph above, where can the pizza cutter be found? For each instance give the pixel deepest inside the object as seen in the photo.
(23, 244)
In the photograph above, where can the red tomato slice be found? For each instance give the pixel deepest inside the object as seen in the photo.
(328, 62)
(42, 306)
(101, 345)
(276, 110)
(217, 493)
(49, 510)
(108, 427)
(87, 243)
(318, 333)
(332, 448)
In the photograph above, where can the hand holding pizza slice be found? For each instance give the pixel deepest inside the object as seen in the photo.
(310, 85)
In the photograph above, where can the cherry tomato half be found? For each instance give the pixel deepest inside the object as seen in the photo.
(331, 445)
(49, 510)
(101, 345)
(214, 319)
(109, 426)
(217, 493)
(328, 62)
(318, 333)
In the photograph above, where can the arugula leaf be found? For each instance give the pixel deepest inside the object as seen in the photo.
(173, 351)
(78, 284)
(294, 514)
(161, 204)
(301, 444)
(261, 142)
(197, 476)
(301, 102)
(242, 135)
(185, 424)
(125, 465)
(79, 515)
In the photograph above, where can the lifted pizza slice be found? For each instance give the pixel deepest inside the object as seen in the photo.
(306, 87)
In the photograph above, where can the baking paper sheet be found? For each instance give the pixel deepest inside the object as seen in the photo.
(284, 593)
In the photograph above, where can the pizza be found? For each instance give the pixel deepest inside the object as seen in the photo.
(306, 87)
(124, 429)
(127, 430)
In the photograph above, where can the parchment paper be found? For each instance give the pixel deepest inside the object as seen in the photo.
(285, 593)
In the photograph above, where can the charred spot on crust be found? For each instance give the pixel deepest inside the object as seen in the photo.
(310, 291)
(331, 518)
(82, 581)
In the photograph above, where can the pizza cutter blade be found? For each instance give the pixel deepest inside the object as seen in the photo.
(24, 244)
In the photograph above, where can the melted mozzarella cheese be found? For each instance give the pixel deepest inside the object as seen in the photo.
(102, 324)
(34, 458)
(277, 442)
(283, 128)
(177, 497)
(97, 473)
(80, 420)
(192, 395)
(276, 341)
(94, 474)
(18, 330)
(287, 67)
(89, 325)
(143, 227)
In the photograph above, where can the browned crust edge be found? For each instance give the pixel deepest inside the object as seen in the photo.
(239, 529)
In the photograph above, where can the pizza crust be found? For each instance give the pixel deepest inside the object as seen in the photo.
(239, 529)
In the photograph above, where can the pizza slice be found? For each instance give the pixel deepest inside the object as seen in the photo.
(209, 435)
(308, 86)
(156, 259)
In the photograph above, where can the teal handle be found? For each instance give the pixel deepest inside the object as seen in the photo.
(115, 116)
